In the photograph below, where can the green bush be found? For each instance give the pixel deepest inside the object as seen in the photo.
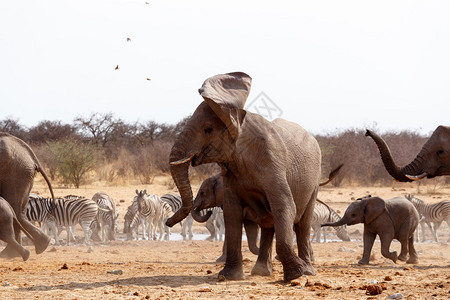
(74, 160)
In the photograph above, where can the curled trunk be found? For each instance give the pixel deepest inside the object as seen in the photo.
(179, 168)
(402, 174)
(198, 217)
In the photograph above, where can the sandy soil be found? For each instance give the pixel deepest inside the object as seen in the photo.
(179, 269)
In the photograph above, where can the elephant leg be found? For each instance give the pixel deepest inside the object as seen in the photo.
(212, 230)
(11, 241)
(252, 230)
(302, 231)
(385, 245)
(263, 266)
(232, 212)
(403, 256)
(368, 239)
(413, 257)
(18, 199)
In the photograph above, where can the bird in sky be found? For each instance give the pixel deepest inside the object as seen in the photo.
(117, 67)
(148, 78)
(128, 39)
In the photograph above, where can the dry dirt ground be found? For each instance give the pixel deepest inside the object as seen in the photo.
(180, 269)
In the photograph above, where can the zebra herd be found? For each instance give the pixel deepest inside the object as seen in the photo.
(99, 219)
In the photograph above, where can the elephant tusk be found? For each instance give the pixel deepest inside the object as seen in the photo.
(182, 161)
(418, 177)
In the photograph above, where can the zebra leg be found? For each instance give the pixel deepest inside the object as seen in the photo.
(85, 225)
(436, 227)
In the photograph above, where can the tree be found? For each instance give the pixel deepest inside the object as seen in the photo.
(47, 131)
(12, 126)
(98, 127)
(74, 159)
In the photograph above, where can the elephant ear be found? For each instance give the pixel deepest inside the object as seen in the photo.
(375, 206)
(226, 95)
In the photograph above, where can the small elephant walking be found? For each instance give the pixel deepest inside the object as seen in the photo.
(7, 221)
(395, 218)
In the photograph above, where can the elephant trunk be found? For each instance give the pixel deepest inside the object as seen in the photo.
(338, 223)
(401, 174)
(198, 217)
(179, 169)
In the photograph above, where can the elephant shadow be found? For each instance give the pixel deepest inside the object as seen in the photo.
(172, 281)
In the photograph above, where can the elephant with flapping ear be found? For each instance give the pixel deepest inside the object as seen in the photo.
(432, 160)
(277, 163)
(18, 166)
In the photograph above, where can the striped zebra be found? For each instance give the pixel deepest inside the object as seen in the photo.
(173, 200)
(63, 212)
(325, 214)
(434, 213)
(131, 220)
(215, 224)
(107, 219)
(153, 213)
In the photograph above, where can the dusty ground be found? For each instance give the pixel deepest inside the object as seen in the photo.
(187, 270)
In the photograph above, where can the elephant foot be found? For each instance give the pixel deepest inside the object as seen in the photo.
(9, 252)
(25, 254)
(262, 269)
(42, 244)
(363, 261)
(221, 259)
(310, 270)
(412, 260)
(297, 268)
(229, 273)
(402, 257)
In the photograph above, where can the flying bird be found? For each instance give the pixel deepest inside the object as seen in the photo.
(148, 78)
(128, 39)
(117, 67)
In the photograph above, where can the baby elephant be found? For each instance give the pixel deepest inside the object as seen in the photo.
(392, 219)
(7, 221)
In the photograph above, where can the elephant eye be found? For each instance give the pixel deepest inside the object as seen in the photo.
(439, 152)
(202, 193)
(208, 130)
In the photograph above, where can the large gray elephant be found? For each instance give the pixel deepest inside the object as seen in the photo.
(277, 162)
(18, 166)
(395, 218)
(433, 159)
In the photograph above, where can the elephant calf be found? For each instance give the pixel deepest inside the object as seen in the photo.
(395, 218)
(7, 221)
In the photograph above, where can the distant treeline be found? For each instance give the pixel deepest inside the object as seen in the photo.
(104, 147)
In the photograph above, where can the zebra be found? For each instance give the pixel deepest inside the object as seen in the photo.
(131, 220)
(435, 213)
(107, 219)
(323, 214)
(215, 224)
(153, 213)
(63, 212)
(173, 200)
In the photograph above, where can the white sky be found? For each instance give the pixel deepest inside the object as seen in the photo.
(326, 64)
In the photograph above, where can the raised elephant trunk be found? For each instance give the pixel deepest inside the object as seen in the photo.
(341, 222)
(179, 169)
(407, 173)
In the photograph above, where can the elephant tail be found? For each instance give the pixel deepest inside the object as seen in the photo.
(41, 170)
(332, 175)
